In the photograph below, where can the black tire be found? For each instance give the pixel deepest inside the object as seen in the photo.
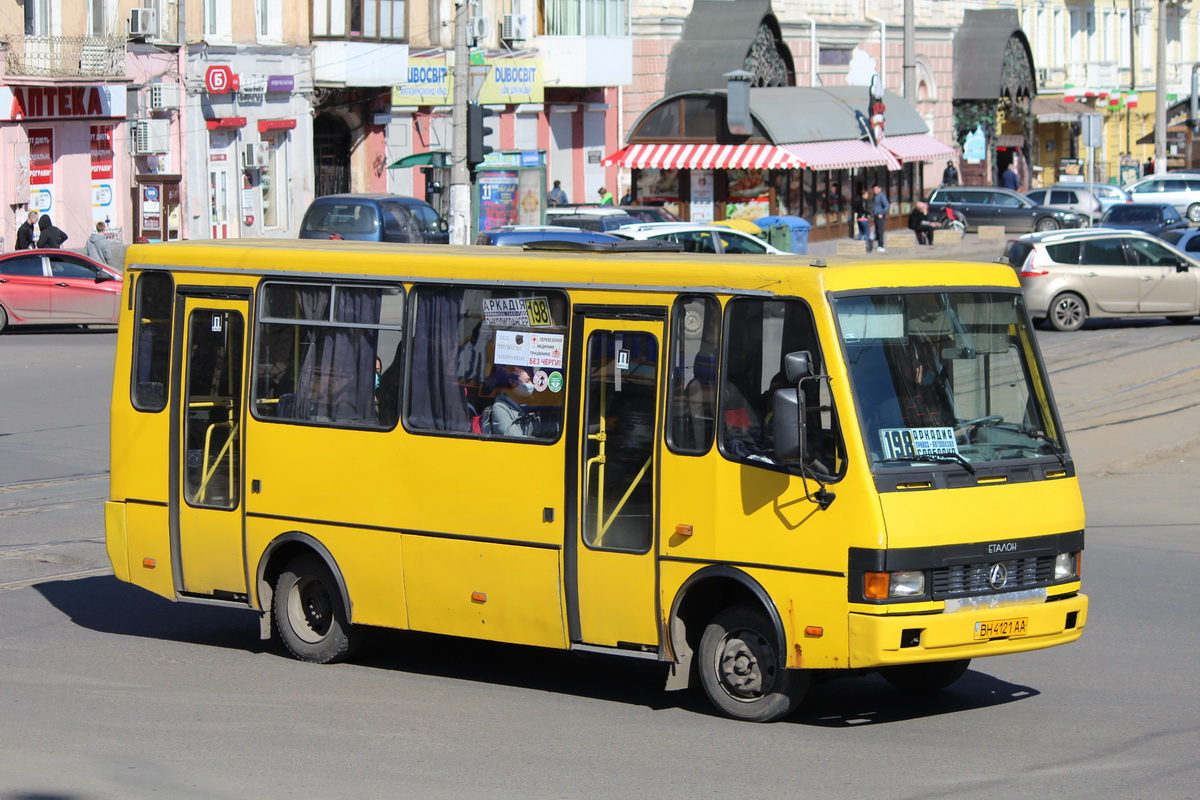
(1181, 320)
(309, 613)
(1047, 224)
(3, 319)
(741, 668)
(1193, 212)
(925, 677)
(1068, 312)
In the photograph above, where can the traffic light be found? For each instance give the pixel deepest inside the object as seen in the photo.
(476, 133)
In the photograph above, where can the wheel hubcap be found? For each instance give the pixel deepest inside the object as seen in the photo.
(310, 610)
(746, 665)
(1068, 313)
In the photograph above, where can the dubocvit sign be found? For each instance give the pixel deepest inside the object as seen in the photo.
(430, 82)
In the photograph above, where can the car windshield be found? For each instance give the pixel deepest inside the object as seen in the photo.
(1129, 213)
(947, 376)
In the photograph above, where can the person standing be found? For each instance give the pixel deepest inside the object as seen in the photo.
(862, 216)
(557, 197)
(27, 233)
(879, 211)
(1011, 179)
(950, 175)
(51, 237)
(99, 248)
(606, 199)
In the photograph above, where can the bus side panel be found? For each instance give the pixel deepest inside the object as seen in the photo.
(500, 592)
(148, 547)
(138, 440)
(369, 561)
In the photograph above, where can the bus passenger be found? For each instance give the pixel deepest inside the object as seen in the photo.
(506, 416)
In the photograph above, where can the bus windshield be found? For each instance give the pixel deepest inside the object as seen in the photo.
(947, 377)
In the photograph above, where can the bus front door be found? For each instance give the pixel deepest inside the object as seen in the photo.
(206, 480)
(611, 593)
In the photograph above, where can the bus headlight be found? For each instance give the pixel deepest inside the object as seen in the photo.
(1066, 565)
(885, 585)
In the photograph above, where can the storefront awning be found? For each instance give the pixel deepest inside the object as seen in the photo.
(841, 154)
(1051, 109)
(918, 147)
(703, 156)
(430, 158)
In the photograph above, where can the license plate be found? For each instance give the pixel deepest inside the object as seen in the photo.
(995, 628)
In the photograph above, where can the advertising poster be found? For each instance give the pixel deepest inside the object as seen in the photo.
(41, 169)
(497, 199)
(702, 195)
(103, 188)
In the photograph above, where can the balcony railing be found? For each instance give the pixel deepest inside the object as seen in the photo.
(586, 18)
(66, 56)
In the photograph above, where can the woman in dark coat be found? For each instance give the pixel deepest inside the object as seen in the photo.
(51, 237)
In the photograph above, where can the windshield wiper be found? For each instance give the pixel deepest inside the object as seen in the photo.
(938, 458)
(1033, 433)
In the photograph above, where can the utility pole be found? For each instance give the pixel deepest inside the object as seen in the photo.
(1160, 93)
(910, 53)
(460, 176)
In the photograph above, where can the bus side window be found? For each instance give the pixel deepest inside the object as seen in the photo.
(751, 372)
(692, 381)
(152, 340)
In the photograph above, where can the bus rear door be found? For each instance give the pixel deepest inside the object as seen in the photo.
(612, 573)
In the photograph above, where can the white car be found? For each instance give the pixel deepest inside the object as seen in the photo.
(699, 238)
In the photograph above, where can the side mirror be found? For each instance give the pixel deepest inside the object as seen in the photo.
(797, 366)
(102, 276)
(443, 226)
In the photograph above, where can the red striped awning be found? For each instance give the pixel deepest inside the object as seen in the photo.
(703, 156)
(918, 147)
(842, 154)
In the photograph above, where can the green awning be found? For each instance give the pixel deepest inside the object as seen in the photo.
(432, 158)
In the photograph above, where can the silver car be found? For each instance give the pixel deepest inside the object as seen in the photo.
(1180, 189)
(1081, 200)
(1070, 276)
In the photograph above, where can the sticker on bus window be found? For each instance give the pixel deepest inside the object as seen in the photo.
(517, 312)
(525, 349)
(916, 442)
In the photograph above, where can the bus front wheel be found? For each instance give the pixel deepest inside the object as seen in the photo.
(925, 677)
(742, 669)
(309, 613)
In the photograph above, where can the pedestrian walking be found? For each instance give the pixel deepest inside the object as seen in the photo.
(557, 197)
(879, 211)
(950, 175)
(606, 199)
(27, 233)
(50, 237)
(1011, 179)
(99, 248)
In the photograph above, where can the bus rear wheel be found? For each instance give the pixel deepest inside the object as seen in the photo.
(742, 669)
(925, 677)
(309, 613)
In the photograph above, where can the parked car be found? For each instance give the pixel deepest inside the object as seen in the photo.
(1180, 189)
(986, 205)
(1079, 199)
(650, 213)
(591, 222)
(1153, 218)
(1071, 276)
(374, 218)
(517, 235)
(1109, 194)
(698, 238)
(53, 287)
(1187, 240)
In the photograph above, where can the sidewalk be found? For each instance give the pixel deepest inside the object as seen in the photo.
(902, 245)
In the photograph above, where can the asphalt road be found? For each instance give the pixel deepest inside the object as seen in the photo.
(107, 691)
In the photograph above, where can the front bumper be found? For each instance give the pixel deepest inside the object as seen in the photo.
(892, 639)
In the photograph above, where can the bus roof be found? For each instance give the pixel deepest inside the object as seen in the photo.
(768, 274)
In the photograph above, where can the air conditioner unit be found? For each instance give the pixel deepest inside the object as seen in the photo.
(143, 22)
(480, 27)
(254, 155)
(151, 136)
(514, 27)
(164, 96)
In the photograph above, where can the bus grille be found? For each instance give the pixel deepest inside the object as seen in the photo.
(963, 580)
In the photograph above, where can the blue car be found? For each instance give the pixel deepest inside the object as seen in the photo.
(1152, 218)
(1186, 240)
(517, 235)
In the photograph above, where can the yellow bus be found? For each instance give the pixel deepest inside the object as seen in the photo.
(750, 469)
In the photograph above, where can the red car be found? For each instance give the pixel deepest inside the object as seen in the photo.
(52, 287)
